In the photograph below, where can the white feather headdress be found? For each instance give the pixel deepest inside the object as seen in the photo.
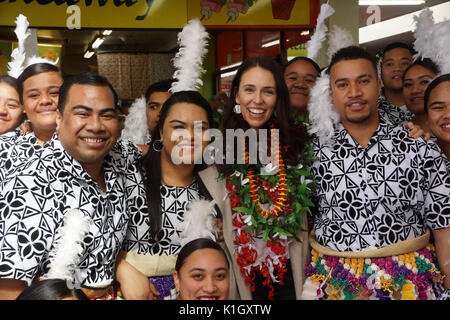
(68, 246)
(136, 127)
(18, 56)
(37, 59)
(315, 43)
(199, 221)
(192, 41)
(432, 40)
(322, 112)
(338, 38)
(15, 67)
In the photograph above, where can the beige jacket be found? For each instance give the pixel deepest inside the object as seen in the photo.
(298, 251)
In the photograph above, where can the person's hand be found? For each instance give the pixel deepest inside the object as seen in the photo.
(26, 127)
(416, 131)
(133, 283)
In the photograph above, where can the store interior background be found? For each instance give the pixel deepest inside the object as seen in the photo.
(227, 48)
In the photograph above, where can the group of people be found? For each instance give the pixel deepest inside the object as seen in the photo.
(346, 218)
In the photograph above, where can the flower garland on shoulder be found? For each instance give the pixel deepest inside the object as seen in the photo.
(267, 214)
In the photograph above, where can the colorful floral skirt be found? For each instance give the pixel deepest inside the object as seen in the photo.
(165, 285)
(412, 276)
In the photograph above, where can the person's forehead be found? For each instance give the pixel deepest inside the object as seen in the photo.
(351, 68)
(442, 90)
(300, 67)
(397, 53)
(159, 95)
(87, 92)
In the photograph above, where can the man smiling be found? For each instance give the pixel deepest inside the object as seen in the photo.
(379, 193)
(83, 168)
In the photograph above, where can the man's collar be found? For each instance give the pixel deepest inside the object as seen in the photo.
(66, 162)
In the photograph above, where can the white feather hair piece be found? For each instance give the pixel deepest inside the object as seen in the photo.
(15, 67)
(315, 43)
(432, 40)
(424, 23)
(37, 59)
(322, 112)
(338, 38)
(192, 40)
(136, 127)
(68, 245)
(199, 221)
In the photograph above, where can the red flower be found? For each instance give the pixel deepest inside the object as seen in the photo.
(246, 257)
(244, 238)
(276, 247)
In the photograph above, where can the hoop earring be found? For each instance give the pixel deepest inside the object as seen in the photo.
(237, 109)
(157, 145)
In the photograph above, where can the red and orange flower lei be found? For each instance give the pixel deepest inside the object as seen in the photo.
(287, 193)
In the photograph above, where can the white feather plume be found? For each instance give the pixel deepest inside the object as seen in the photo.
(424, 24)
(432, 40)
(192, 41)
(136, 127)
(315, 43)
(441, 46)
(15, 67)
(322, 112)
(338, 38)
(68, 245)
(37, 59)
(199, 221)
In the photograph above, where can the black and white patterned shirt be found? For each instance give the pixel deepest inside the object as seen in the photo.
(388, 192)
(34, 198)
(392, 113)
(174, 201)
(16, 148)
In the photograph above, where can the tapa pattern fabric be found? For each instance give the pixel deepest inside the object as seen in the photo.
(392, 113)
(16, 148)
(174, 201)
(34, 198)
(385, 193)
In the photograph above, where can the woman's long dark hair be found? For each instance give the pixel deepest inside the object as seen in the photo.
(194, 245)
(293, 137)
(51, 289)
(152, 161)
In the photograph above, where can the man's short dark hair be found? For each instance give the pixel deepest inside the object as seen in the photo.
(160, 86)
(352, 53)
(395, 45)
(85, 78)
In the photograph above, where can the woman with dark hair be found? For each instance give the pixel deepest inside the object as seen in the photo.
(202, 271)
(172, 183)
(416, 79)
(437, 106)
(38, 88)
(51, 289)
(11, 113)
(266, 214)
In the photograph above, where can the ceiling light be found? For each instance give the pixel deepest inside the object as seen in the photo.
(228, 74)
(271, 43)
(231, 65)
(391, 2)
(304, 33)
(88, 54)
(107, 32)
(97, 43)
